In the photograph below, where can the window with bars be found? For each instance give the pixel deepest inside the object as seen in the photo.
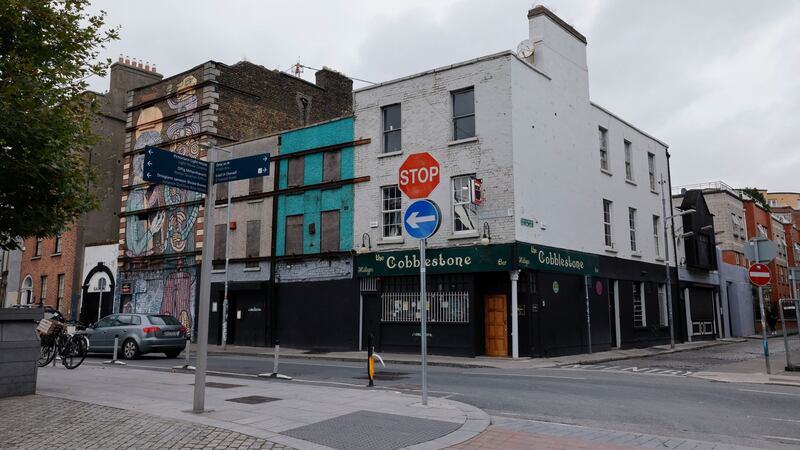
(603, 134)
(663, 311)
(607, 223)
(463, 114)
(441, 307)
(632, 225)
(628, 161)
(651, 169)
(656, 223)
(391, 128)
(639, 310)
(391, 216)
(463, 214)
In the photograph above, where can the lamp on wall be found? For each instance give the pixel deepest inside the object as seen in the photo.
(486, 238)
(366, 244)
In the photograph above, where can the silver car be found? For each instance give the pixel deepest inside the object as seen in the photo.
(138, 334)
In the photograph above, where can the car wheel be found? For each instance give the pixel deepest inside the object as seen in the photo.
(129, 349)
(172, 354)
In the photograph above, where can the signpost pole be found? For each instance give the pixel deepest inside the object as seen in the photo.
(763, 319)
(205, 293)
(227, 259)
(588, 279)
(666, 267)
(423, 300)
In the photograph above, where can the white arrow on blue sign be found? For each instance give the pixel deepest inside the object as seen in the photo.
(422, 219)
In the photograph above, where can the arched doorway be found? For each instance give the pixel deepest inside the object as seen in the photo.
(26, 292)
(98, 294)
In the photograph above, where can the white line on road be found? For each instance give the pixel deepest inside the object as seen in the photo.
(782, 438)
(783, 420)
(521, 375)
(770, 392)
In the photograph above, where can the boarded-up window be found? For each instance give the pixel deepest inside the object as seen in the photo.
(220, 235)
(332, 166)
(330, 231)
(253, 246)
(294, 235)
(256, 185)
(294, 175)
(222, 191)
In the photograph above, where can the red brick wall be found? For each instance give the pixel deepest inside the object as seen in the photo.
(51, 265)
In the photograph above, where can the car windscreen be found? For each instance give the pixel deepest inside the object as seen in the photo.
(163, 320)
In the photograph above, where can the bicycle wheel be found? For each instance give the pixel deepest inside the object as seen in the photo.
(47, 351)
(74, 352)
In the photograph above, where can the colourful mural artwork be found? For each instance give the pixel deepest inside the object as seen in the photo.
(170, 230)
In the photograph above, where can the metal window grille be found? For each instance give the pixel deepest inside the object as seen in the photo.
(442, 307)
(639, 317)
(369, 284)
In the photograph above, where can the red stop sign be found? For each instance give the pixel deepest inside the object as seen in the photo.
(759, 274)
(419, 175)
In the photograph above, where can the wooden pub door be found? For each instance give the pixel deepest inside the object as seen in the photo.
(496, 328)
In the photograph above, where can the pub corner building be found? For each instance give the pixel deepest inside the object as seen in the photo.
(568, 223)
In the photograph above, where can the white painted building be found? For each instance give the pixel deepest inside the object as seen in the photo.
(558, 172)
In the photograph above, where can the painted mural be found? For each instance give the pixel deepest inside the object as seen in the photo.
(170, 231)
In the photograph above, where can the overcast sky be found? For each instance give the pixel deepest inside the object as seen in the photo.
(716, 80)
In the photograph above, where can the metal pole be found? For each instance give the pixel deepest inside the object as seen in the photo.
(785, 337)
(360, 319)
(423, 300)
(666, 267)
(587, 279)
(205, 293)
(763, 318)
(514, 316)
(100, 306)
(227, 259)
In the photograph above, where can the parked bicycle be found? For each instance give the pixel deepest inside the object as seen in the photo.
(56, 340)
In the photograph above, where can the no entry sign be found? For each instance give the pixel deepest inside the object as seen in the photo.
(419, 175)
(759, 274)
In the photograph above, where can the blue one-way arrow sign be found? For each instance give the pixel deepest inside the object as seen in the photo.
(241, 168)
(422, 219)
(172, 169)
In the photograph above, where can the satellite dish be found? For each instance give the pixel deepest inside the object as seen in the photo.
(525, 49)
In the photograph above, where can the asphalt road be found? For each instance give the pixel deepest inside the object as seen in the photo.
(655, 398)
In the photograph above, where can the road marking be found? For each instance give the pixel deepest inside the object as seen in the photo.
(782, 438)
(783, 420)
(627, 369)
(770, 392)
(521, 375)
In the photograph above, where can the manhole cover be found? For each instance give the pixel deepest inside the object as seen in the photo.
(253, 399)
(214, 384)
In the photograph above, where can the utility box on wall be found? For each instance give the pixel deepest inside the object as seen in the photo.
(19, 351)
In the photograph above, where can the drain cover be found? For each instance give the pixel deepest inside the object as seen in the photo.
(253, 399)
(214, 384)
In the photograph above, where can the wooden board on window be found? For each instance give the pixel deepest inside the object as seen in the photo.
(496, 325)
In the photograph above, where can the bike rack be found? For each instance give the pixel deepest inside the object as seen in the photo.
(115, 361)
(186, 365)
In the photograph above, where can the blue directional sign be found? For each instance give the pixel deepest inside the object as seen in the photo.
(172, 169)
(241, 168)
(422, 219)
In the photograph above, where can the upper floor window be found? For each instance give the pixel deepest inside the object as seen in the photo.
(656, 223)
(651, 169)
(603, 148)
(37, 250)
(256, 185)
(295, 172)
(463, 214)
(463, 114)
(607, 223)
(332, 166)
(221, 191)
(390, 211)
(57, 246)
(762, 231)
(632, 224)
(253, 242)
(293, 244)
(329, 222)
(628, 161)
(43, 295)
(773, 202)
(391, 128)
(220, 245)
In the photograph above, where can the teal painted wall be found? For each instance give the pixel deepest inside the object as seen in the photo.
(311, 203)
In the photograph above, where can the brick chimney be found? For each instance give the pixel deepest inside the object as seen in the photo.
(127, 74)
(333, 81)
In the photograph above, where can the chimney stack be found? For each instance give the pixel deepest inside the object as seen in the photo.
(559, 50)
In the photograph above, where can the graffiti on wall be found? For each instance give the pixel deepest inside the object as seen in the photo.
(174, 125)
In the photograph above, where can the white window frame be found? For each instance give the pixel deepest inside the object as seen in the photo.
(460, 203)
(663, 310)
(386, 132)
(632, 226)
(642, 305)
(604, 165)
(651, 167)
(629, 175)
(608, 220)
(656, 227)
(26, 292)
(391, 212)
(762, 231)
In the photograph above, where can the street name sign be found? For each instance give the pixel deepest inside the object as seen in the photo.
(759, 274)
(419, 175)
(172, 169)
(766, 250)
(241, 168)
(422, 219)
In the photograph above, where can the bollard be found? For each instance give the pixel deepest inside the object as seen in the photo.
(370, 361)
(186, 365)
(274, 373)
(115, 361)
